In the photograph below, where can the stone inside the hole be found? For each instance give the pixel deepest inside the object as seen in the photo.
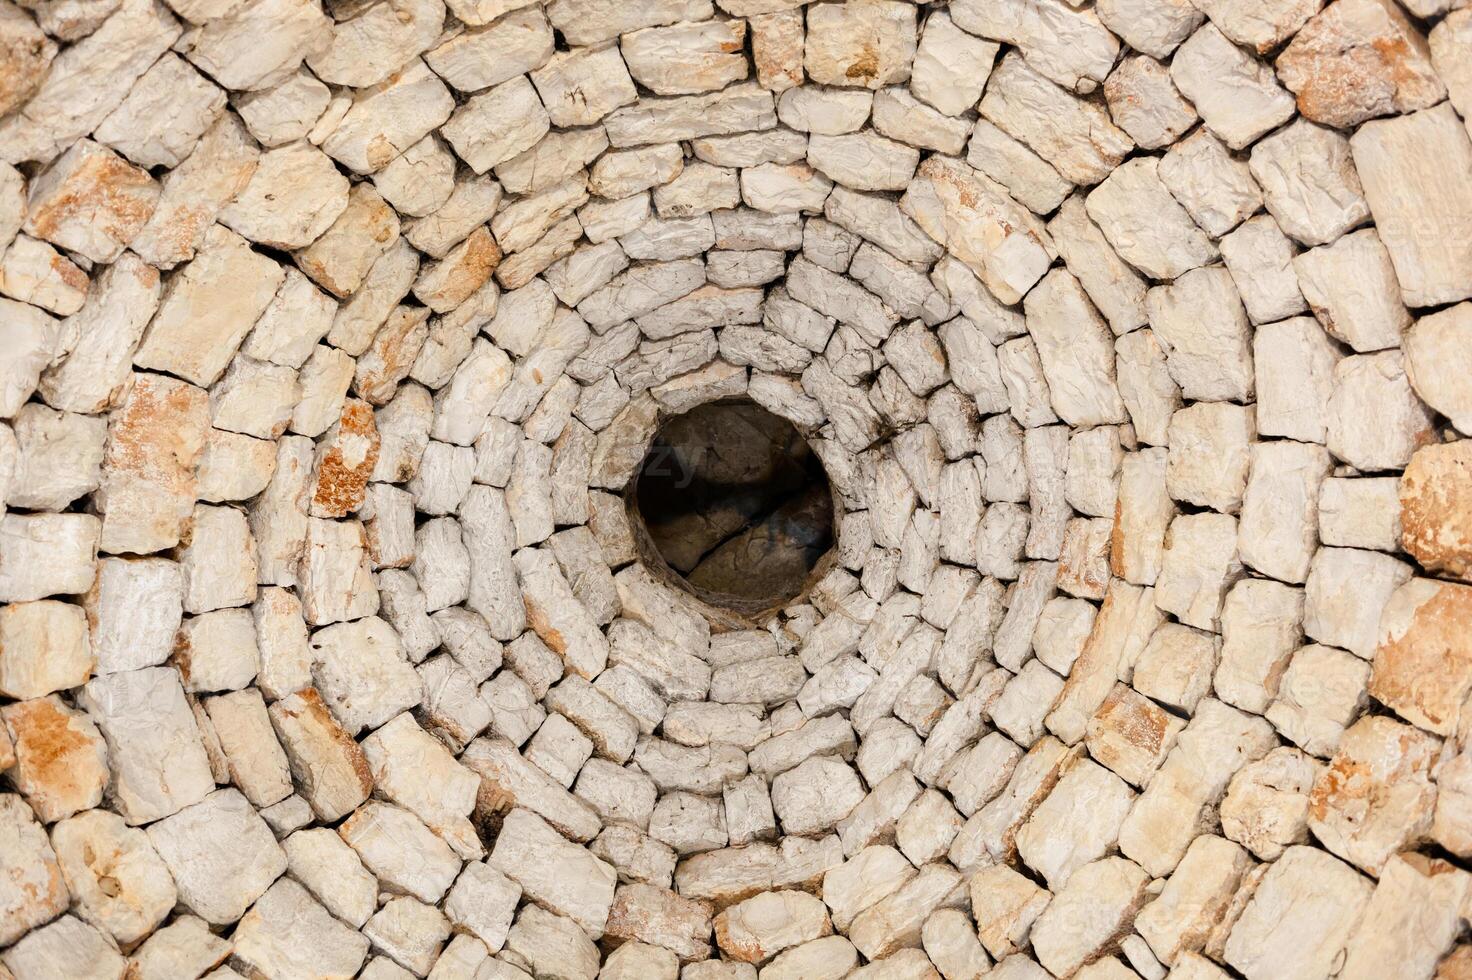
(736, 502)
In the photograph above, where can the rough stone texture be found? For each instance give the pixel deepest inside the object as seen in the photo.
(1358, 60)
(1131, 338)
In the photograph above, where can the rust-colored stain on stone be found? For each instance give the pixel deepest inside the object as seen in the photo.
(1436, 508)
(68, 273)
(1345, 68)
(56, 754)
(1379, 759)
(106, 192)
(314, 714)
(1423, 666)
(1345, 780)
(24, 57)
(935, 171)
(1133, 718)
(182, 656)
(392, 355)
(537, 619)
(342, 473)
(1116, 541)
(481, 257)
(865, 67)
(159, 432)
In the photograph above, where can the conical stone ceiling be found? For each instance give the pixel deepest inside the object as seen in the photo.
(1122, 346)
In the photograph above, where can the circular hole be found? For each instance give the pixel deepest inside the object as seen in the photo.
(734, 504)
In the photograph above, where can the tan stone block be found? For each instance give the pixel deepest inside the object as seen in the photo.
(1436, 508)
(1375, 798)
(1423, 665)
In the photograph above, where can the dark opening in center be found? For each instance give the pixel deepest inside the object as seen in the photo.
(736, 503)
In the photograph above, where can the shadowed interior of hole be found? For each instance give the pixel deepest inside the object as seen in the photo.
(736, 505)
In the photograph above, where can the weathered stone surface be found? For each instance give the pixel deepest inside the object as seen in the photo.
(221, 854)
(586, 22)
(1070, 47)
(327, 766)
(286, 931)
(980, 224)
(1084, 918)
(870, 45)
(1357, 60)
(737, 109)
(1433, 515)
(1418, 671)
(560, 875)
(1411, 219)
(1143, 222)
(117, 879)
(1142, 569)
(1300, 916)
(757, 929)
(35, 890)
(60, 759)
(951, 66)
(1238, 97)
(90, 201)
(158, 762)
(1200, 323)
(1266, 806)
(85, 82)
(1435, 349)
(1073, 135)
(1373, 799)
(208, 309)
(65, 948)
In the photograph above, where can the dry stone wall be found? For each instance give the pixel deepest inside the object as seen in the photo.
(1134, 337)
